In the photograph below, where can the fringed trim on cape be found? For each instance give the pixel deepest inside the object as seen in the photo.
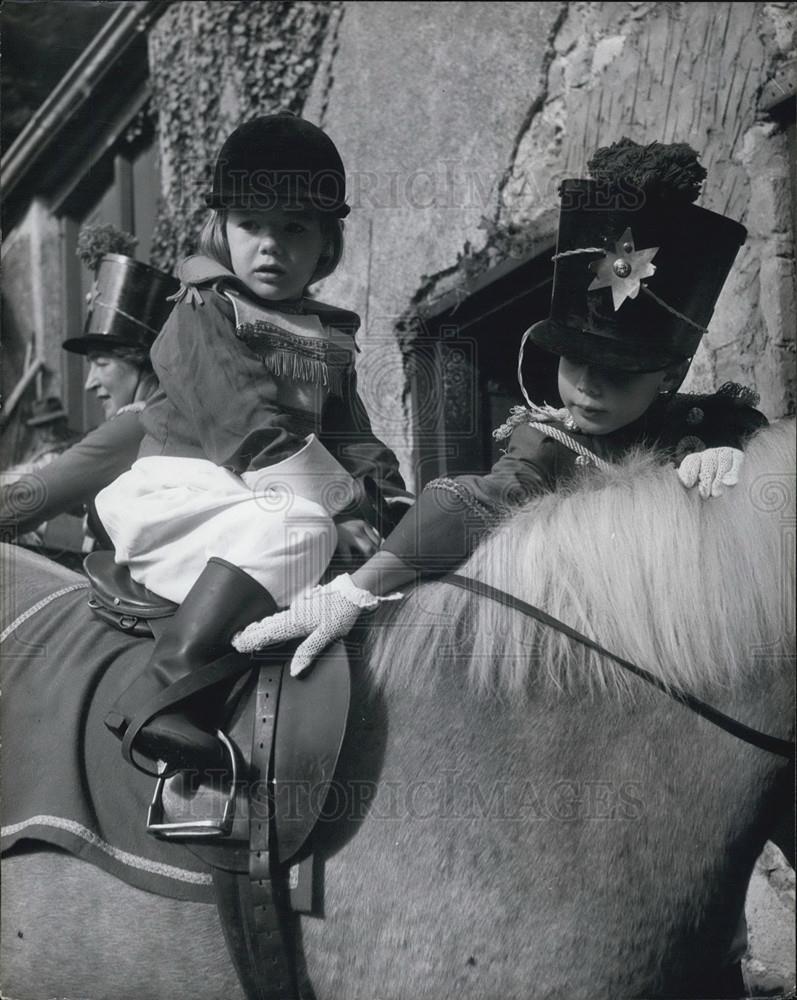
(288, 355)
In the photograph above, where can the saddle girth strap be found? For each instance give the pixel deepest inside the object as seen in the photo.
(271, 933)
(231, 891)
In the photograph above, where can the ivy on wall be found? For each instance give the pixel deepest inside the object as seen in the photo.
(214, 65)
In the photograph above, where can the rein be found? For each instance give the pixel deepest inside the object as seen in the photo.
(772, 744)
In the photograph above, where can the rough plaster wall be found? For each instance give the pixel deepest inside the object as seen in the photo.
(32, 312)
(425, 102)
(693, 73)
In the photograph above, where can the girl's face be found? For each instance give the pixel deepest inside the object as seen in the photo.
(113, 381)
(602, 400)
(274, 251)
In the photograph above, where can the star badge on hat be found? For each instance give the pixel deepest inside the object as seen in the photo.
(623, 270)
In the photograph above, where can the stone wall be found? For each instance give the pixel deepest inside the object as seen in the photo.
(769, 965)
(689, 73)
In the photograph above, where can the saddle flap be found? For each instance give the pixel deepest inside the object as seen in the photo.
(311, 724)
(117, 591)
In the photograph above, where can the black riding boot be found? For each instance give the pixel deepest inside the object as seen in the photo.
(223, 600)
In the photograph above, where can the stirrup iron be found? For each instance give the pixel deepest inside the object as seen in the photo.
(193, 829)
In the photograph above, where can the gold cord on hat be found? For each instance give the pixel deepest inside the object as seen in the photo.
(571, 253)
(670, 309)
(132, 319)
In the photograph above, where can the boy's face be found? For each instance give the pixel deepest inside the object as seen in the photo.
(602, 400)
(274, 251)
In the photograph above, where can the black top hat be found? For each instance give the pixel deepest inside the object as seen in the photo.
(638, 268)
(127, 307)
(279, 158)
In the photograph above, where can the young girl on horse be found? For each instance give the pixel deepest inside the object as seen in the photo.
(258, 456)
(638, 270)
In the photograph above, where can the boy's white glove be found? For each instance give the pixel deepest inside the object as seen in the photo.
(323, 615)
(711, 470)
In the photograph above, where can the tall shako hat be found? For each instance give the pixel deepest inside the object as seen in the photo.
(638, 267)
(279, 158)
(127, 306)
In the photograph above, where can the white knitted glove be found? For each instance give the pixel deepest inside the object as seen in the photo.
(323, 615)
(711, 470)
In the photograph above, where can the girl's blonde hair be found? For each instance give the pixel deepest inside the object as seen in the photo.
(213, 243)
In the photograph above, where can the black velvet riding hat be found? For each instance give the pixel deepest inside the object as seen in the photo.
(127, 306)
(638, 267)
(278, 158)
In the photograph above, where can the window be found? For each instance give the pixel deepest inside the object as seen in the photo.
(463, 366)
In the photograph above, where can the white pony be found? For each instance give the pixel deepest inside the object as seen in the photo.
(513, 816)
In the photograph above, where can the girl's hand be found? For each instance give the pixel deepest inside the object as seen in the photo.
(324, 614)
(357, 541)
(711, 470)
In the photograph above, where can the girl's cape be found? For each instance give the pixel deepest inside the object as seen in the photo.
(305, 341)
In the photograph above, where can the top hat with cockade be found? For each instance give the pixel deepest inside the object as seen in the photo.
(276, 159)
(638, 266)
(127, 306)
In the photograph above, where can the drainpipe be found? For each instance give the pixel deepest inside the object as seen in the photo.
(77, 87)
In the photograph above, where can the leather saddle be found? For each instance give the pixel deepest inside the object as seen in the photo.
(305, 735)
(119, 600)
(253, 825)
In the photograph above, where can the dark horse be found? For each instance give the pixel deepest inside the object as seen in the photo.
(513, 816)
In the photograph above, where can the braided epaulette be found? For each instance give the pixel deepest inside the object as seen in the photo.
(530, 414)
(544, 419)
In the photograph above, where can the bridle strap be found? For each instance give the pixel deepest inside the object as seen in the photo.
(772, 744)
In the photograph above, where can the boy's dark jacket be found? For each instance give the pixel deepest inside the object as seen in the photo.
(221, 400)
(451, 516)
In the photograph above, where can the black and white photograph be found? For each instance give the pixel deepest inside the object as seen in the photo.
(397, 500)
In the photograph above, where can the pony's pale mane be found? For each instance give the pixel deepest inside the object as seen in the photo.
(698, 592)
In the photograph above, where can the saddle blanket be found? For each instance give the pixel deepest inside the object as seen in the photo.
(64, 781)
